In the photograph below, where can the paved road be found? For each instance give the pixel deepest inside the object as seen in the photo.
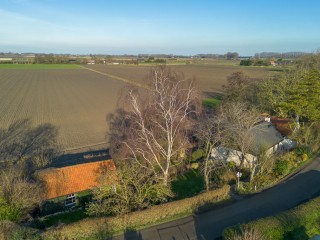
(295, 190)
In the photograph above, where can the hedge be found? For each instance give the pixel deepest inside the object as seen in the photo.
(302, 222)
(88, 227)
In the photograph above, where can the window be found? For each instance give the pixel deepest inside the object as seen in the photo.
(70, 199)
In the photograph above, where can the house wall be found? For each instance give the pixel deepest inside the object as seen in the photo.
(231, 155)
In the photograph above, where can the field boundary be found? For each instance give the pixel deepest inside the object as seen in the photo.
(117, 78)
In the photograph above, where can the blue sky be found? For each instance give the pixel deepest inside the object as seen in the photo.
(173, 27)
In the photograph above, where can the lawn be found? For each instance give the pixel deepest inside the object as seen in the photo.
(211, 103)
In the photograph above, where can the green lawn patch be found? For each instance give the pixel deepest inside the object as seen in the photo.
(188, 184)
(211, 103)
(39, 66)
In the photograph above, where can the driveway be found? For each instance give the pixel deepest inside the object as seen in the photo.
(300, 188)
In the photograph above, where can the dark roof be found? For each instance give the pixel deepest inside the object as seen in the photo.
(265, 136)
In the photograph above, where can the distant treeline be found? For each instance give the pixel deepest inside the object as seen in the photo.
(280, 55)
(29, 58)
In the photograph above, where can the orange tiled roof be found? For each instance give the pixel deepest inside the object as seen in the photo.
(72, 179)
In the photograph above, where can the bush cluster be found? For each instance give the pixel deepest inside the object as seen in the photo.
(156, 214)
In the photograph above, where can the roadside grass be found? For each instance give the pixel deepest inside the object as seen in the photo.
(301, 222)
(39, 66)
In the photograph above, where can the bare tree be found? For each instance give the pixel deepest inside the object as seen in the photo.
(209, 133)
(239, 87)
(247, 233)
(241, 119)
(18, 193)
(156, 122)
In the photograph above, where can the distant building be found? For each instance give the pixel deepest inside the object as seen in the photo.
(91, 61)
(5, 60)
(273, 63)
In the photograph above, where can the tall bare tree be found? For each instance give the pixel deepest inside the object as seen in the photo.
(156, 122)
(209, 133)
(241, 119)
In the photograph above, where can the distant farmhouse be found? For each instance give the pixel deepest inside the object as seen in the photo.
(269, 137)
(17, 58)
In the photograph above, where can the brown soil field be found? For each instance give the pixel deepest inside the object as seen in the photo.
(210, 77)
(78, 100)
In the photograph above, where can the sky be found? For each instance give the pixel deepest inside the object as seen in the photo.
(184, 27)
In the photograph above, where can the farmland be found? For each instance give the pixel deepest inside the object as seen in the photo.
(210, 77)
(76, 99)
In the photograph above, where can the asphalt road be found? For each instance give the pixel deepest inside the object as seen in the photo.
(299, 188)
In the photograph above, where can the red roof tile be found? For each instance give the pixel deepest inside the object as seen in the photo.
(72, 179)
(282, 125)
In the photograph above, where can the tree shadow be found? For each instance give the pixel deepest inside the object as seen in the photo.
(132, 234)
(297, 234)
(70, 159)
(34, 146)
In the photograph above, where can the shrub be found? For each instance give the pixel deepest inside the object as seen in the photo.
(281, 168)
(246, 233)
(196, 155)
(84, 200)
(24, 233)
(246, 62)
(263, 181)
(303, 150)
(6, 228)
(12, 231)
(8, 212)
(50, 207)
(188, 184)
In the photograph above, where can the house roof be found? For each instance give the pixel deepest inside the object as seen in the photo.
(282, 125)
(265, 136)
(72, 179)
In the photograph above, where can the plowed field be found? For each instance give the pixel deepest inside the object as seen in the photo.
(77, 100)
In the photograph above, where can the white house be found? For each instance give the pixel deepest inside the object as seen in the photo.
(266, 139)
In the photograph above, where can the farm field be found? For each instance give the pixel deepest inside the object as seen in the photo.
(210, 77)
(76, 99)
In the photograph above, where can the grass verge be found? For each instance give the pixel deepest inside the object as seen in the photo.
(302, 222)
